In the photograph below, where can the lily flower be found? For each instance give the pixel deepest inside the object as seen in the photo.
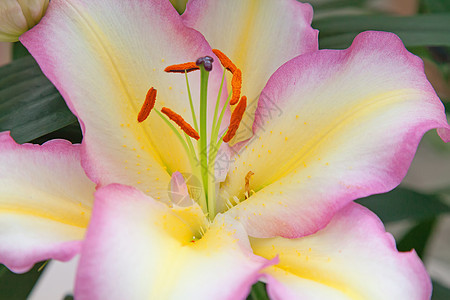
(327, 126)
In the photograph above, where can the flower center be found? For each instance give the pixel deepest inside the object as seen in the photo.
(203, 157)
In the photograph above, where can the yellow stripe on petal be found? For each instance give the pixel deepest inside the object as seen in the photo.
(258, 36)
(45, 202)
(104, 60)
(332, 126)
(352, 258)
(131, 229)
(306, 263)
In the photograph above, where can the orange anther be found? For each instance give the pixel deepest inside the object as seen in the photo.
(181, 122)
(236, 85)
(225, 61)
(181, 68)
(148, 105)
(235, 120)
(247, 183)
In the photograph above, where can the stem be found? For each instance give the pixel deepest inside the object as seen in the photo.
(213, 150)
(180, 138)
(216, 111)
(189, 148)
(203, 150)
(191, 103)
(216, 127)
(197, 172)
(211, 191)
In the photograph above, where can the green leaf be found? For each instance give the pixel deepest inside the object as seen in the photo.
(434, 6)
(417, 237)
(258, 292)
(30, 106)
(404, 204)
(19, 286)
(421, 30)
(319, 5)
(444, 190)
(440, 292)
(71, 133)
(19, 51)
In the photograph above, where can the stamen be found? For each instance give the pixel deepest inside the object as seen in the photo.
(148, 105)
(235, 120)
(181, 68)
(181, 122)
(247, 184)
(225, 61)
(236, 84)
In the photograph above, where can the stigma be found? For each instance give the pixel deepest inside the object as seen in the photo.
(206, 61)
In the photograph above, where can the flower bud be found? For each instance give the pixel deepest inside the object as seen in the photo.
(180, 5)
(18, 16)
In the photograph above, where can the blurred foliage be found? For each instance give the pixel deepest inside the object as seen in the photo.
(440, 292)
(417, 237)
(19, 51)
(338, 32)
(258, 292)
(434, 6)
(18, 286)
(404, 204)
(30, 106)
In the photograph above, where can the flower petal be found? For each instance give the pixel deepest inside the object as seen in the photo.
(147, 248)
(103, 56)
(257, 35)
(45, 202)
(352, 258)
(332, 126)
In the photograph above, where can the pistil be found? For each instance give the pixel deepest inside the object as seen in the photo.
(205, 64)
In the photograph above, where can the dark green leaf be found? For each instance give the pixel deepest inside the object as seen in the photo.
(258, 292)
(18, 286)
(447, 107)
(421, 30)
(440, 292)
(444, 190)
(336, 4)
(68, 297)
(417, 237)
(71, 133)
(404, 204)
(434, 6)
(19, 51)
(30, 106)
